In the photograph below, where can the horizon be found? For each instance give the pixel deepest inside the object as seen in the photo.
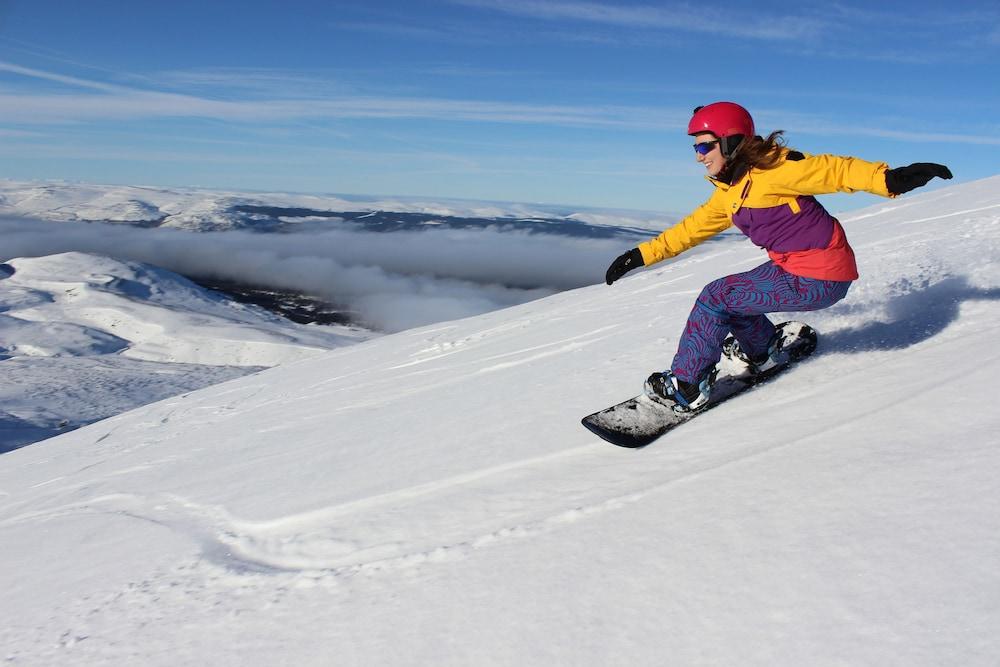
(554, 103)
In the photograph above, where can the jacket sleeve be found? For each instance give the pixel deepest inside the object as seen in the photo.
(704, 222)
(825, 174)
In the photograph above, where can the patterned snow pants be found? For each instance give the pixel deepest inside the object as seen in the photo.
(737, 303)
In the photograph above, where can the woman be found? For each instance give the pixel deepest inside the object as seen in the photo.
(766, 190)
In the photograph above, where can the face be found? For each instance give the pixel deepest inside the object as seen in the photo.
(713, 160)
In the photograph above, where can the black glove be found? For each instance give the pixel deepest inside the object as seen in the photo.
(904, 179)
(623, 264)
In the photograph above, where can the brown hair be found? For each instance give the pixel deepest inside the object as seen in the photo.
(755, 152)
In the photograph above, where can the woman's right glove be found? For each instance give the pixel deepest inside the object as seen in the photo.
(904, 179)
(623, 264)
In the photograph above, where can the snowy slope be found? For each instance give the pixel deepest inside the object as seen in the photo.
(154, 314)
(85, 337)
(429, 497)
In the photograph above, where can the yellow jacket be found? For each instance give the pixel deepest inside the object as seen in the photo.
(776, 209)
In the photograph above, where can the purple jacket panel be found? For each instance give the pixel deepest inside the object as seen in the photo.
(780, 229)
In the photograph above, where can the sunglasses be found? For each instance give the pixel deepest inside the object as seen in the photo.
(705, 147)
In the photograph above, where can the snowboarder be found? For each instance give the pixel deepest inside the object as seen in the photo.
(766, 190)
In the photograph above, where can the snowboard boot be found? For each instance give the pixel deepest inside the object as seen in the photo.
(682, 396)
(791, 341)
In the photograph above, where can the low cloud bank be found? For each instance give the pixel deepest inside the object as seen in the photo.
(390, 281)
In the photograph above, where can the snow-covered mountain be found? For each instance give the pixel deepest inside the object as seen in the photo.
(213, 210)
(429, 497)
(85, 337)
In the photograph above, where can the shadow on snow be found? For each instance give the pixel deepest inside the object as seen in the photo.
(915, 317)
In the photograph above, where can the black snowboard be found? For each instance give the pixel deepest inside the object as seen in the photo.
(641, 420)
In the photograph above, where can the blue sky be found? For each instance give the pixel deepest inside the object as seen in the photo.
(578, 103)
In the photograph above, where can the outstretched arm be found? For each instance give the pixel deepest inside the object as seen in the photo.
(825, 174)
(706, 221)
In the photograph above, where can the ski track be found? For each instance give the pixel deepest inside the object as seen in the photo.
(450, 347)
(456, 370)
(950, 214)
(394, 523)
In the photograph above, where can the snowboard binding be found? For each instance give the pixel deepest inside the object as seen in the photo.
(680, 396)
(791, 341)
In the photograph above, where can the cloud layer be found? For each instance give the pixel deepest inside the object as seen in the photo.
(391, 281)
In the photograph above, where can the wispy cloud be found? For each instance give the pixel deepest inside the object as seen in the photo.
(930, 18)
(919, 137)
(699, 20)
(43, 75)
(476, 34)
(115, 102)
(838, 30)
(109, 102)
(19, 134)
(395, 29)
(253, 82)
(70, 108)
(801, 123)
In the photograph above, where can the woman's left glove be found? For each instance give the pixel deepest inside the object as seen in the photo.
(623, 264)
(904, 179)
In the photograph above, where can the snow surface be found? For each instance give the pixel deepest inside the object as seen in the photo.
(429, 497)
(85, 337)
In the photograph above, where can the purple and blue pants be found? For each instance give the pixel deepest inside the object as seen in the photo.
(737, 304)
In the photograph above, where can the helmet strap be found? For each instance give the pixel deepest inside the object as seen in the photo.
(736, 163)
(729, 145)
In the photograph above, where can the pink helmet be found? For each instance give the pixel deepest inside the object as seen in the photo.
(723, 119)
